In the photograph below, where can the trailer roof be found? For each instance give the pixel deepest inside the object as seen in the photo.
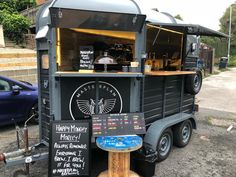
(121, 6)
(123, 15)
(191, 29)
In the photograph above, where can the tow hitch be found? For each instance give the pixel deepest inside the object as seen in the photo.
(25, 155)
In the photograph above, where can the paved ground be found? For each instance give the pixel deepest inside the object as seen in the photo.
(219, 92)
(211, 151)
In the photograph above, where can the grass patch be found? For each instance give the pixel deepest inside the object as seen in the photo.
(232, 62)
(209, 120)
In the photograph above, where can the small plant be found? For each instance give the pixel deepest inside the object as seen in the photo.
(232, 61)
(209, 120)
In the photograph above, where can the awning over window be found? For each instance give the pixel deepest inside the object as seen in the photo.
(191, 29)
(122, 15)
(71, 18)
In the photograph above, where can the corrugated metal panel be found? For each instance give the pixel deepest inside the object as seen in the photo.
(190, 63)
(45, 105)
(153, 98)
(162, 98)
(188, 103)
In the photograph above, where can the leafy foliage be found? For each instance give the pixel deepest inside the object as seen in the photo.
(17, 5)
(7, 7)
(14, 24)
(224, 26)
(179, 17)
(221, 45)
(24, 4)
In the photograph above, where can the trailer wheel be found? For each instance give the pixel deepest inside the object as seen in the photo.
(193, 83)
(164, 145)
(182, 133)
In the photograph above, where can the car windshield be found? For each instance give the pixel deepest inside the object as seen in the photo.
(25, 82)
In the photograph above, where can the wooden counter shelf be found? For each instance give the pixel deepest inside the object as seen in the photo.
(168, 73)
(97, 74)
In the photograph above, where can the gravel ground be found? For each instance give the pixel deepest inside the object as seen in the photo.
(211, 151)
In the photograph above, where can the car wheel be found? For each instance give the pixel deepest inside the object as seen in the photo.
(193, 83)
(164, 145)
(182, 133)
(34, 111)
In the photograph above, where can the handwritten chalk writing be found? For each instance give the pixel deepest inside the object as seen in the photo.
(67, 171)
(75, 138)
(86, 52)
(78, 146)
(69, 151)
(59, 164)
(77, 159)
(86, 57)
(63, 153)
(60, 146)
(67, 165)
(59, 159)
(70, 129)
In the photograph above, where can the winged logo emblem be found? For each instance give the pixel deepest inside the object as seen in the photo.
(88, 106)
(106, 106)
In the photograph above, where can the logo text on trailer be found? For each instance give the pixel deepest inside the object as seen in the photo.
(84, 100)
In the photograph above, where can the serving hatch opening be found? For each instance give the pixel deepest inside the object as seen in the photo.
(72, 42)
(164, 48)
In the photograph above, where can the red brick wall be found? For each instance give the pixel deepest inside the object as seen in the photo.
(40, 1)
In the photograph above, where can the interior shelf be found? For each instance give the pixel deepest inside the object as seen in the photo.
(168, 73)
(97, 74)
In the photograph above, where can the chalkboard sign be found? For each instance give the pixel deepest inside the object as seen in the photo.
(118, 124)
(69, 153)
(86, 57)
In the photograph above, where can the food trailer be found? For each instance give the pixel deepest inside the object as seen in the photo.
(100, 57)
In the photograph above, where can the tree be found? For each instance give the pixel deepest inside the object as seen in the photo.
(220, 45)
(24, 4)
(16, 5)
(14, 24)
(224, 26)
(179, 17)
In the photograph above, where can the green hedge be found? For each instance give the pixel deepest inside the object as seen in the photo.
(14, 25)
(232, 62)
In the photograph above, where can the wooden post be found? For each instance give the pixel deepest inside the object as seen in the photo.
(118, 165)
(118, 162)
(119, 148)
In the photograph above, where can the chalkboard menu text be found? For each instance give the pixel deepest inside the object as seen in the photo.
(118, 124)
(69, 154)
(86, 57)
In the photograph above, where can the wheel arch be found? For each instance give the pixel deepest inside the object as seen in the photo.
(194, 123)
(156, 129)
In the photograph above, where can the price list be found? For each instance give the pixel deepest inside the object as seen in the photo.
(118, 124)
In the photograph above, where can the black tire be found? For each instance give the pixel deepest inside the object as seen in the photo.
(34, 111)
(164, 145)
(182, 133)
(193, 83)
